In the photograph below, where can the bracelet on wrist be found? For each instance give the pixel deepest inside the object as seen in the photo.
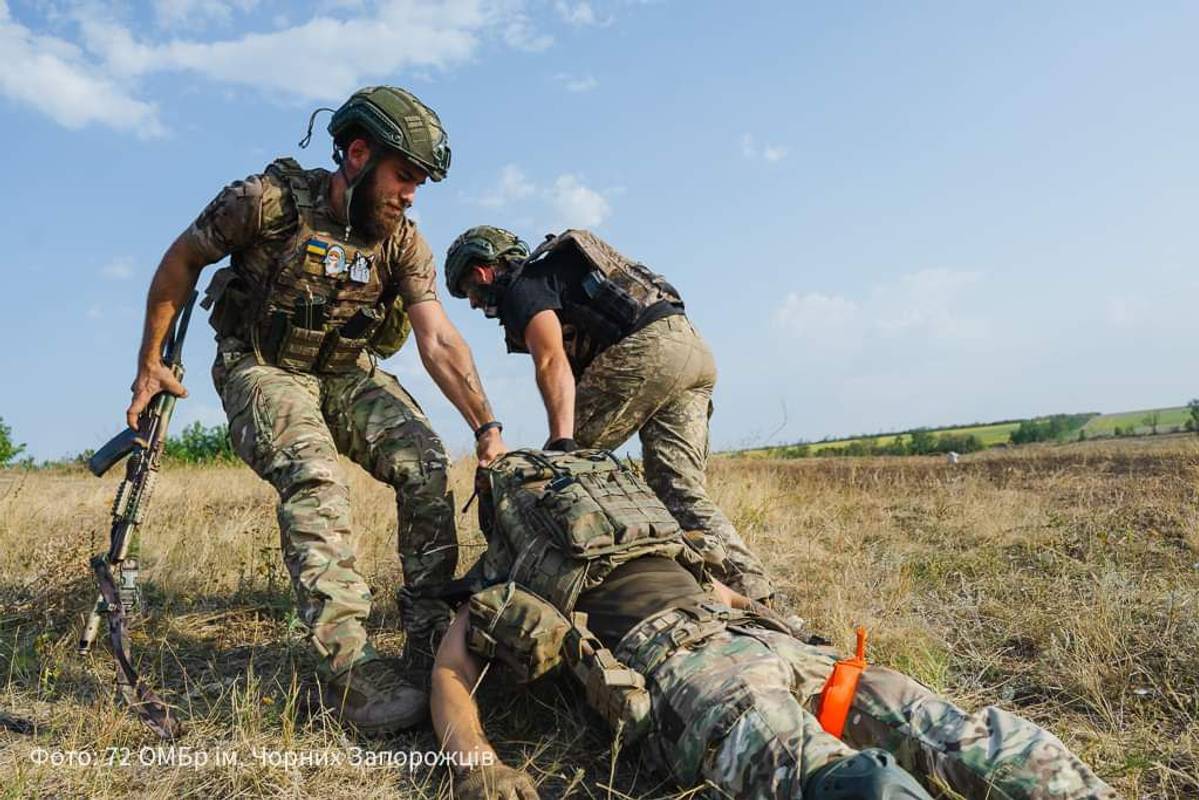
(486, 426)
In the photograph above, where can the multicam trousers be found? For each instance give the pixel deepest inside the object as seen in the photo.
(734, 711)
(658, 382)
(289, 428)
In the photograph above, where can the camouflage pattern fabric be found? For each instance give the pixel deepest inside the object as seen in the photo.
(658, 382)
(289, 428)
(725, 713)
(989, 753)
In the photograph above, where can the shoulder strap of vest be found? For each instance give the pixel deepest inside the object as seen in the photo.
(289, 171)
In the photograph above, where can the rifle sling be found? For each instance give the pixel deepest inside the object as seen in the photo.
(134, 690)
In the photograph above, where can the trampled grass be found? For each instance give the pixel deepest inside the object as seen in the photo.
(1061, 583)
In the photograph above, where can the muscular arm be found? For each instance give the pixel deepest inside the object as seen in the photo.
(556, 382)
(448, 360)
(455, 713)
(175, 277)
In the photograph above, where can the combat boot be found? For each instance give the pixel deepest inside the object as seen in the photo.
(377, 697)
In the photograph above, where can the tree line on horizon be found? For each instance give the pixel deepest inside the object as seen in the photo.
(200, 444)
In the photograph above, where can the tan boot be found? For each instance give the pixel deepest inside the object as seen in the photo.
(377, 697)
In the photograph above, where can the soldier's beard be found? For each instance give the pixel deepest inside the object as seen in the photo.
(368, 216)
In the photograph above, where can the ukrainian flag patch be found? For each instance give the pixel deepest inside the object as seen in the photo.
(317, 248)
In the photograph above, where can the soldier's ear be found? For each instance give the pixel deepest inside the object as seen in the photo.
(358, 152)
(483, 274)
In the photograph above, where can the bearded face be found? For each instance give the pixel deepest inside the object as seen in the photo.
(372, 215)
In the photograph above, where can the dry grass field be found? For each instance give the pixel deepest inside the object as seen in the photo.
(1059, 582)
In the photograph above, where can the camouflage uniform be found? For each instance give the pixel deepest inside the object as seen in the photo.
(289, 426)
(730, 698)
(735, 710)
(658, 382)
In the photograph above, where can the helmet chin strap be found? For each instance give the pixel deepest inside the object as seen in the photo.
(351, 185)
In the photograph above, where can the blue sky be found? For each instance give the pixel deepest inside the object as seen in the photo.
(881, 215)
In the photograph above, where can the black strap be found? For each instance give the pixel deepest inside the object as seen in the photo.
(486, 426)
(136, 694)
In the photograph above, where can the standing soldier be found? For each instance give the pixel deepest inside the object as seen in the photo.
(327, 272)
(614, 354)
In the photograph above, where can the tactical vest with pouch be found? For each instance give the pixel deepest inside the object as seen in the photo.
(326, 298)
(557, 524)
(618, 291)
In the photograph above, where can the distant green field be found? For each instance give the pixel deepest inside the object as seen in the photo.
(999, 433)
(1168, 418)
(987, 434)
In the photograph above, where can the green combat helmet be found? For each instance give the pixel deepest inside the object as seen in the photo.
(394, 118)
(482, 244)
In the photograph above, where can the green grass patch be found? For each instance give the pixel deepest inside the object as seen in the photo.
(1138, 421)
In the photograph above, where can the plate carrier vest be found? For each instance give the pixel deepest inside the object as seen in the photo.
(619, 292)
(557, 524)
(302, 319)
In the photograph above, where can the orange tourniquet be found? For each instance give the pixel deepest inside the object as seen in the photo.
(838, 692)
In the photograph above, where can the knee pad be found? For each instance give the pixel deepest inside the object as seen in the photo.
(872, 774)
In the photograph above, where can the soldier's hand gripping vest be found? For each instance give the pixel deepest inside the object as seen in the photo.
(325, 300)
(557, 524)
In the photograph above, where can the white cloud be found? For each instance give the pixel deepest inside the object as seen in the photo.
(767, 152)
(520, 34)
(197, 13)
(53, 76)
(815, 314)
(119, 269)
(576, 205)
(928, 301)
(326, 56)
(932, 305)
(576, 83)
(578, 14)
(567, 202)
(774, 153)
(511, 187)
(399, 36)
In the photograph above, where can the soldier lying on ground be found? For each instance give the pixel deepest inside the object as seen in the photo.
(585, 566)
(326, 271)
(614, 355)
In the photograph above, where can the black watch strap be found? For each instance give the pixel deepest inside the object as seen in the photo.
(486, 426)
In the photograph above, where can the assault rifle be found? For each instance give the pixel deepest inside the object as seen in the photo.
(117, 599)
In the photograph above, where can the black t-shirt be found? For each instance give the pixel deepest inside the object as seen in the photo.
(550, 284)
(635, 590)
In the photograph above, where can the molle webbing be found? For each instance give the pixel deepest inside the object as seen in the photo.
(657, 638)
(569, 519)
(619, 287)
(284, 331)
